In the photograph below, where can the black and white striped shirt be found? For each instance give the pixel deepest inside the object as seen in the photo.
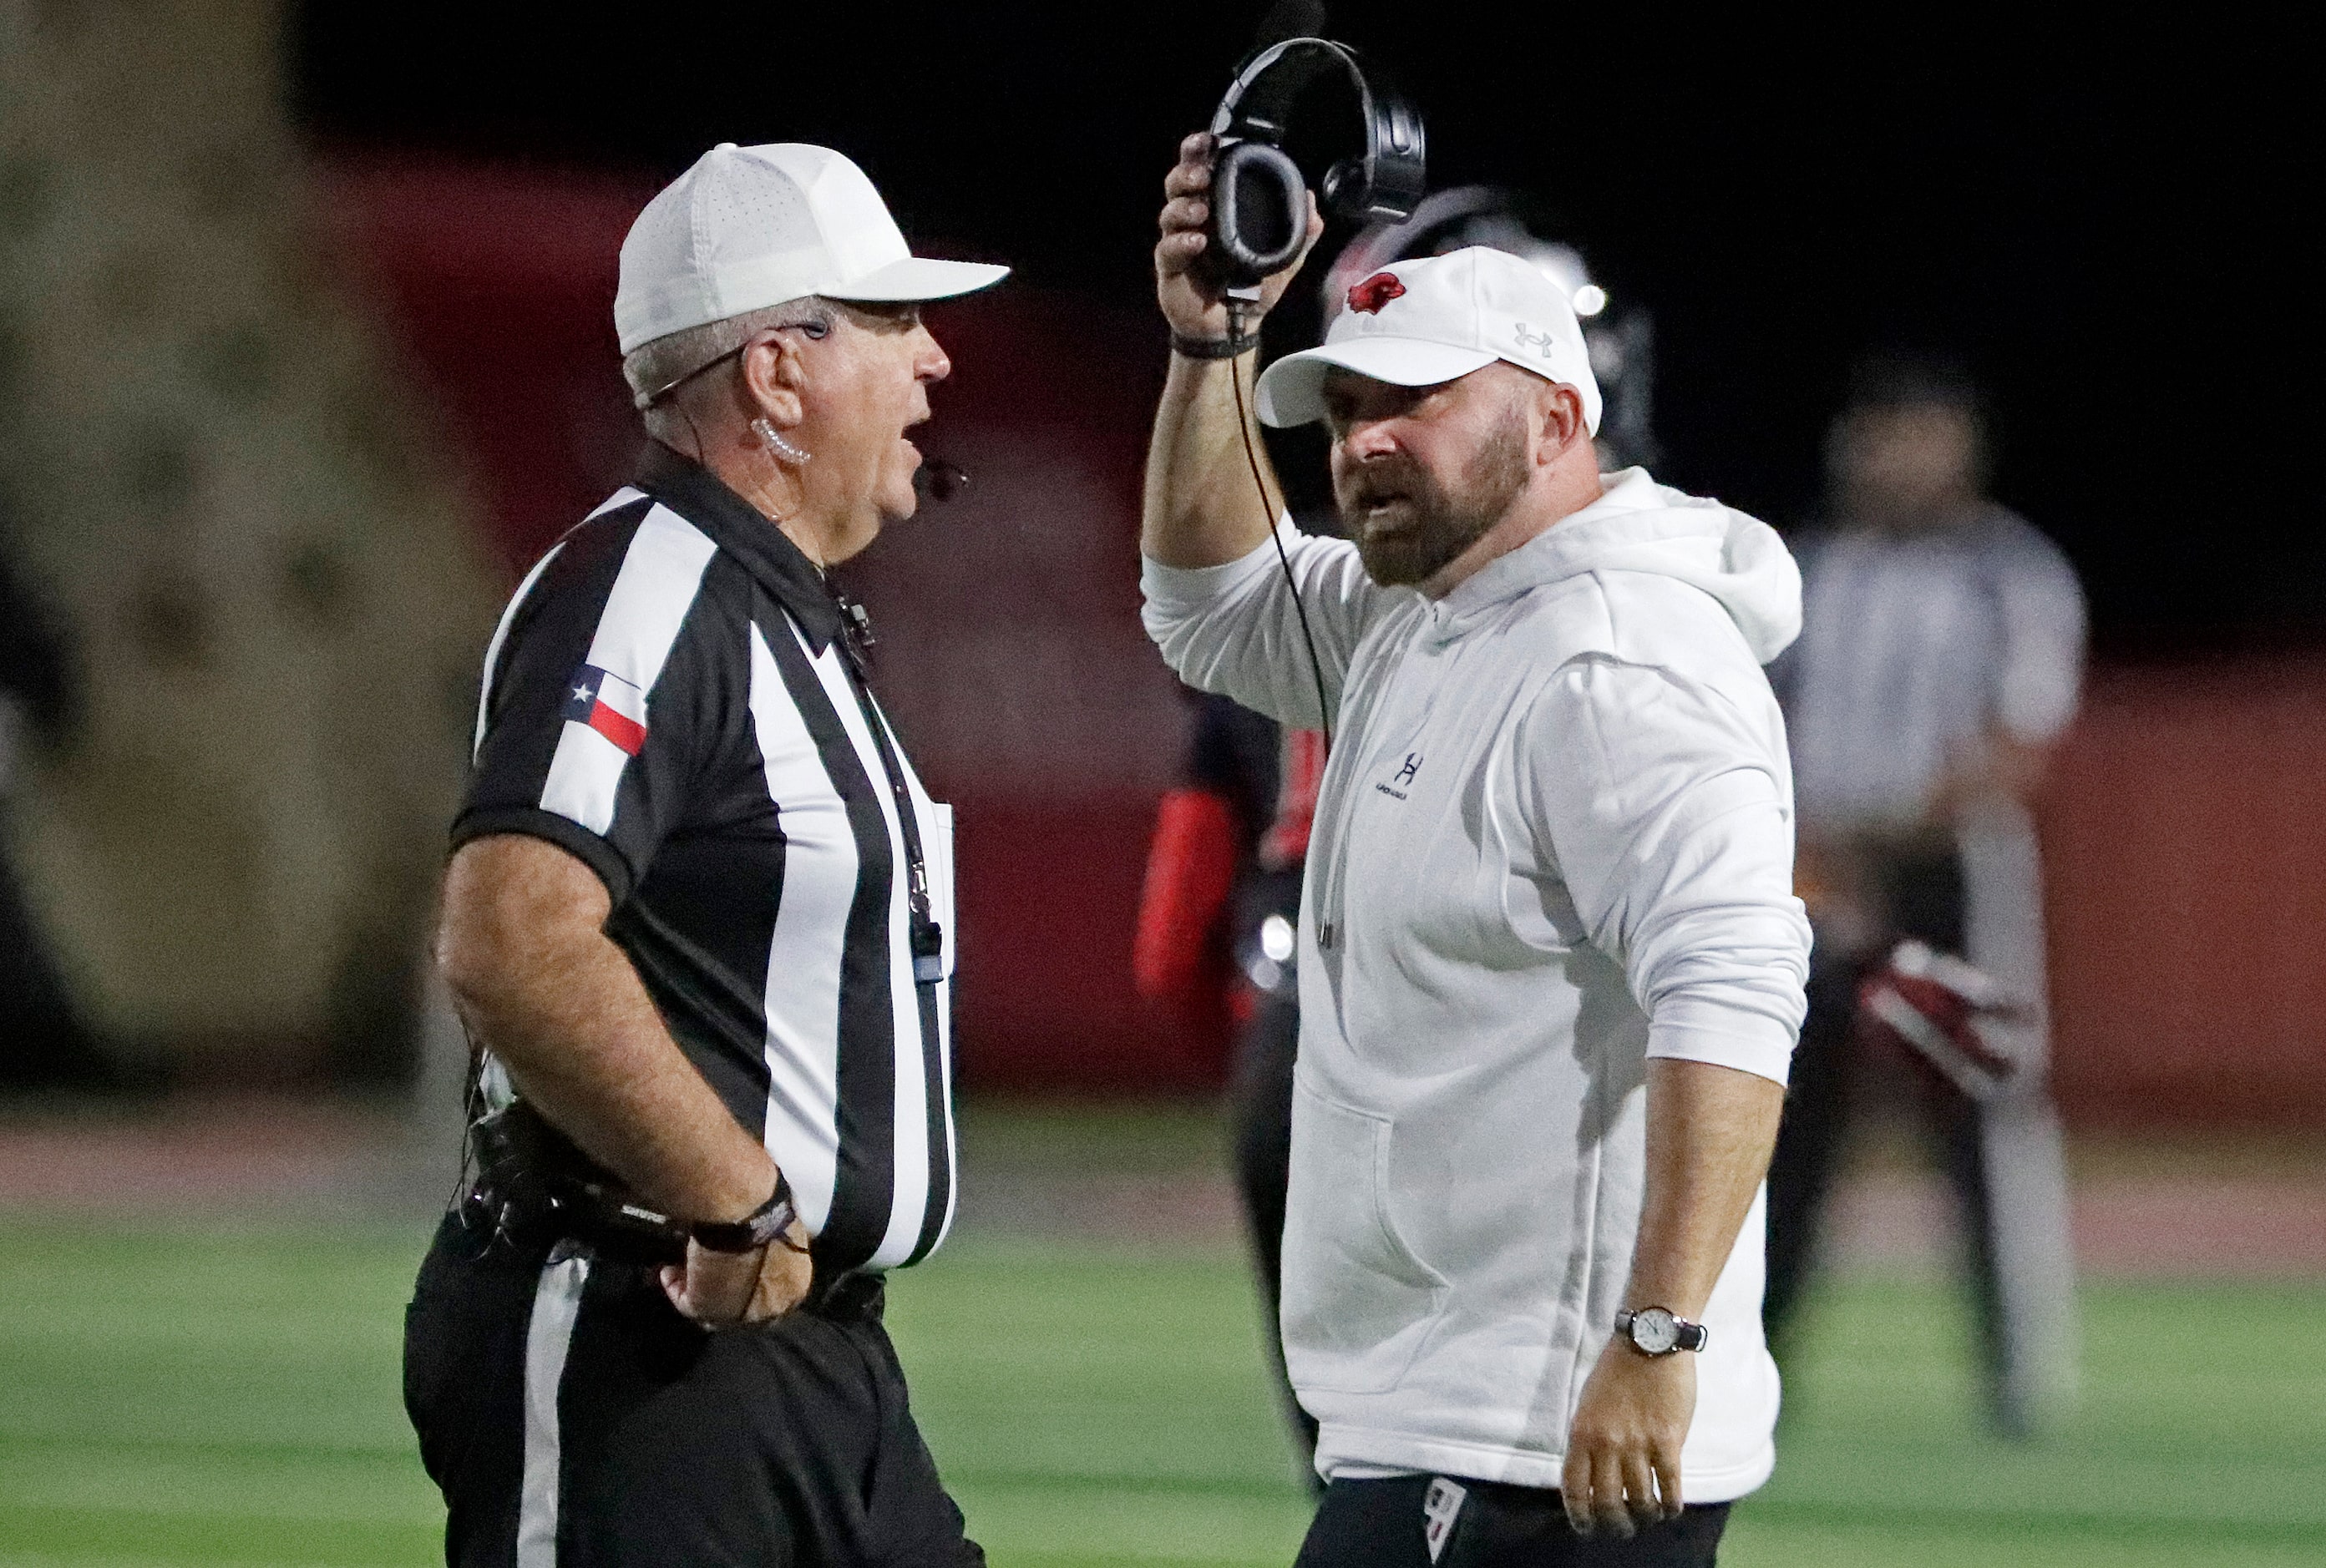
(1913, 648)
(669, 697)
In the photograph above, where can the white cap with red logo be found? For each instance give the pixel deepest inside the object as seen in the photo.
(1438, 319)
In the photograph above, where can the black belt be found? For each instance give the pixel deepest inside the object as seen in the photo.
(535, 1186)
(537, 1189)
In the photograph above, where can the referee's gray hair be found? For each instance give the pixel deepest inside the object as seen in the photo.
(654, 366)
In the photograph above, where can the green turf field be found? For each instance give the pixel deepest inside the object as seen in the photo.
(229, 1397)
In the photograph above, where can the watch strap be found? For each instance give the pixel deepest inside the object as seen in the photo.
(1686, 1335)
(1234, 345)
(763, 1226)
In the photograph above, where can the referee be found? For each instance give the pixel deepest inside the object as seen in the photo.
(1940, 657)
(698, 920)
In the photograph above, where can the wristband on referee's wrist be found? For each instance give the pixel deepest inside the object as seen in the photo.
(766, 1223)
(1232, 346)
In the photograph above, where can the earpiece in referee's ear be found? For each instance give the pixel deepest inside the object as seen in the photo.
(773, 440)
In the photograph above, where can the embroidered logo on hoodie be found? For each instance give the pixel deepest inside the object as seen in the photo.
(1404, 777)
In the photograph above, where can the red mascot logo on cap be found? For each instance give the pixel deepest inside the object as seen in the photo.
(1374, 293)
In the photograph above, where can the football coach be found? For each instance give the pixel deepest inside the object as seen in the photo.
(1550, 961)
(698, 920)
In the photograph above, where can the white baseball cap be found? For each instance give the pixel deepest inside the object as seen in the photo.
(1415, 323)
(746, 228)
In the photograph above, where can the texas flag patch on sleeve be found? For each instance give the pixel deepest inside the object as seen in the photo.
(605, 702)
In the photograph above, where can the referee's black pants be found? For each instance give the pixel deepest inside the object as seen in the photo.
(573, 1419)
(1417, 1522)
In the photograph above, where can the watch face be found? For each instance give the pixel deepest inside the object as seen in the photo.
(1654, 1331)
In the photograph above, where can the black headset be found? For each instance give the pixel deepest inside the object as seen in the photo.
(1260, 207)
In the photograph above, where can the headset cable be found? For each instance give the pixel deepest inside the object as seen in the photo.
(1275, 534)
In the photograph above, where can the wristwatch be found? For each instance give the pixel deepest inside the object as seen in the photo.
(763, 1225)
(1655, 1332)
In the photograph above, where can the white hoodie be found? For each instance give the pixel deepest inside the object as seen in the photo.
(1554, 839)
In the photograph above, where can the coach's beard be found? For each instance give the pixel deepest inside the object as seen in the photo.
(1408, 526)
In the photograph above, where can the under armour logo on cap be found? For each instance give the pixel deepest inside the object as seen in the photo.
(1379, 290)
(1543, 342)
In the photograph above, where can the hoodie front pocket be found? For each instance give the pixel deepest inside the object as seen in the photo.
(1357, 1302)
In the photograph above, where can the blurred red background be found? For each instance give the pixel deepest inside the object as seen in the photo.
(2186, 849)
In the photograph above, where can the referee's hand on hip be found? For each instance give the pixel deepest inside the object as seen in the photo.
(722, 1289)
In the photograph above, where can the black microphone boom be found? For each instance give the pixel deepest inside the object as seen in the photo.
(938, 480)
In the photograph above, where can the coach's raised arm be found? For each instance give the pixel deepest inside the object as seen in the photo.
(1550, 960)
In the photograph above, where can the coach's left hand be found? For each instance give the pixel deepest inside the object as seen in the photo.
(1622, 1453)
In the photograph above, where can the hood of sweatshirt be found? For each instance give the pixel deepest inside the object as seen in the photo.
(1640, 525)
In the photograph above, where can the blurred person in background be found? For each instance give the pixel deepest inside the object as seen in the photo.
(1218, 909)
(1940, 658)
(698, 919)
(46, 1044)
(1549, 956)
(1221, 897)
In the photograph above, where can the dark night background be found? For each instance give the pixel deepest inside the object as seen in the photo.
(2097, 218)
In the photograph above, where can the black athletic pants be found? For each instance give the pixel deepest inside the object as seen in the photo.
(1923, 898)
(1395, 1523)
(573, 1419)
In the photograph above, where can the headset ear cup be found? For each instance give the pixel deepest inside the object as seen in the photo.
(1259, 212)
(1344, 188)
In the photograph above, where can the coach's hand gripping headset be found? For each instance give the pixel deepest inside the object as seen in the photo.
(1259, 210)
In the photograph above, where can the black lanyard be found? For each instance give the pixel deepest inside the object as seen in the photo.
(928, 934)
